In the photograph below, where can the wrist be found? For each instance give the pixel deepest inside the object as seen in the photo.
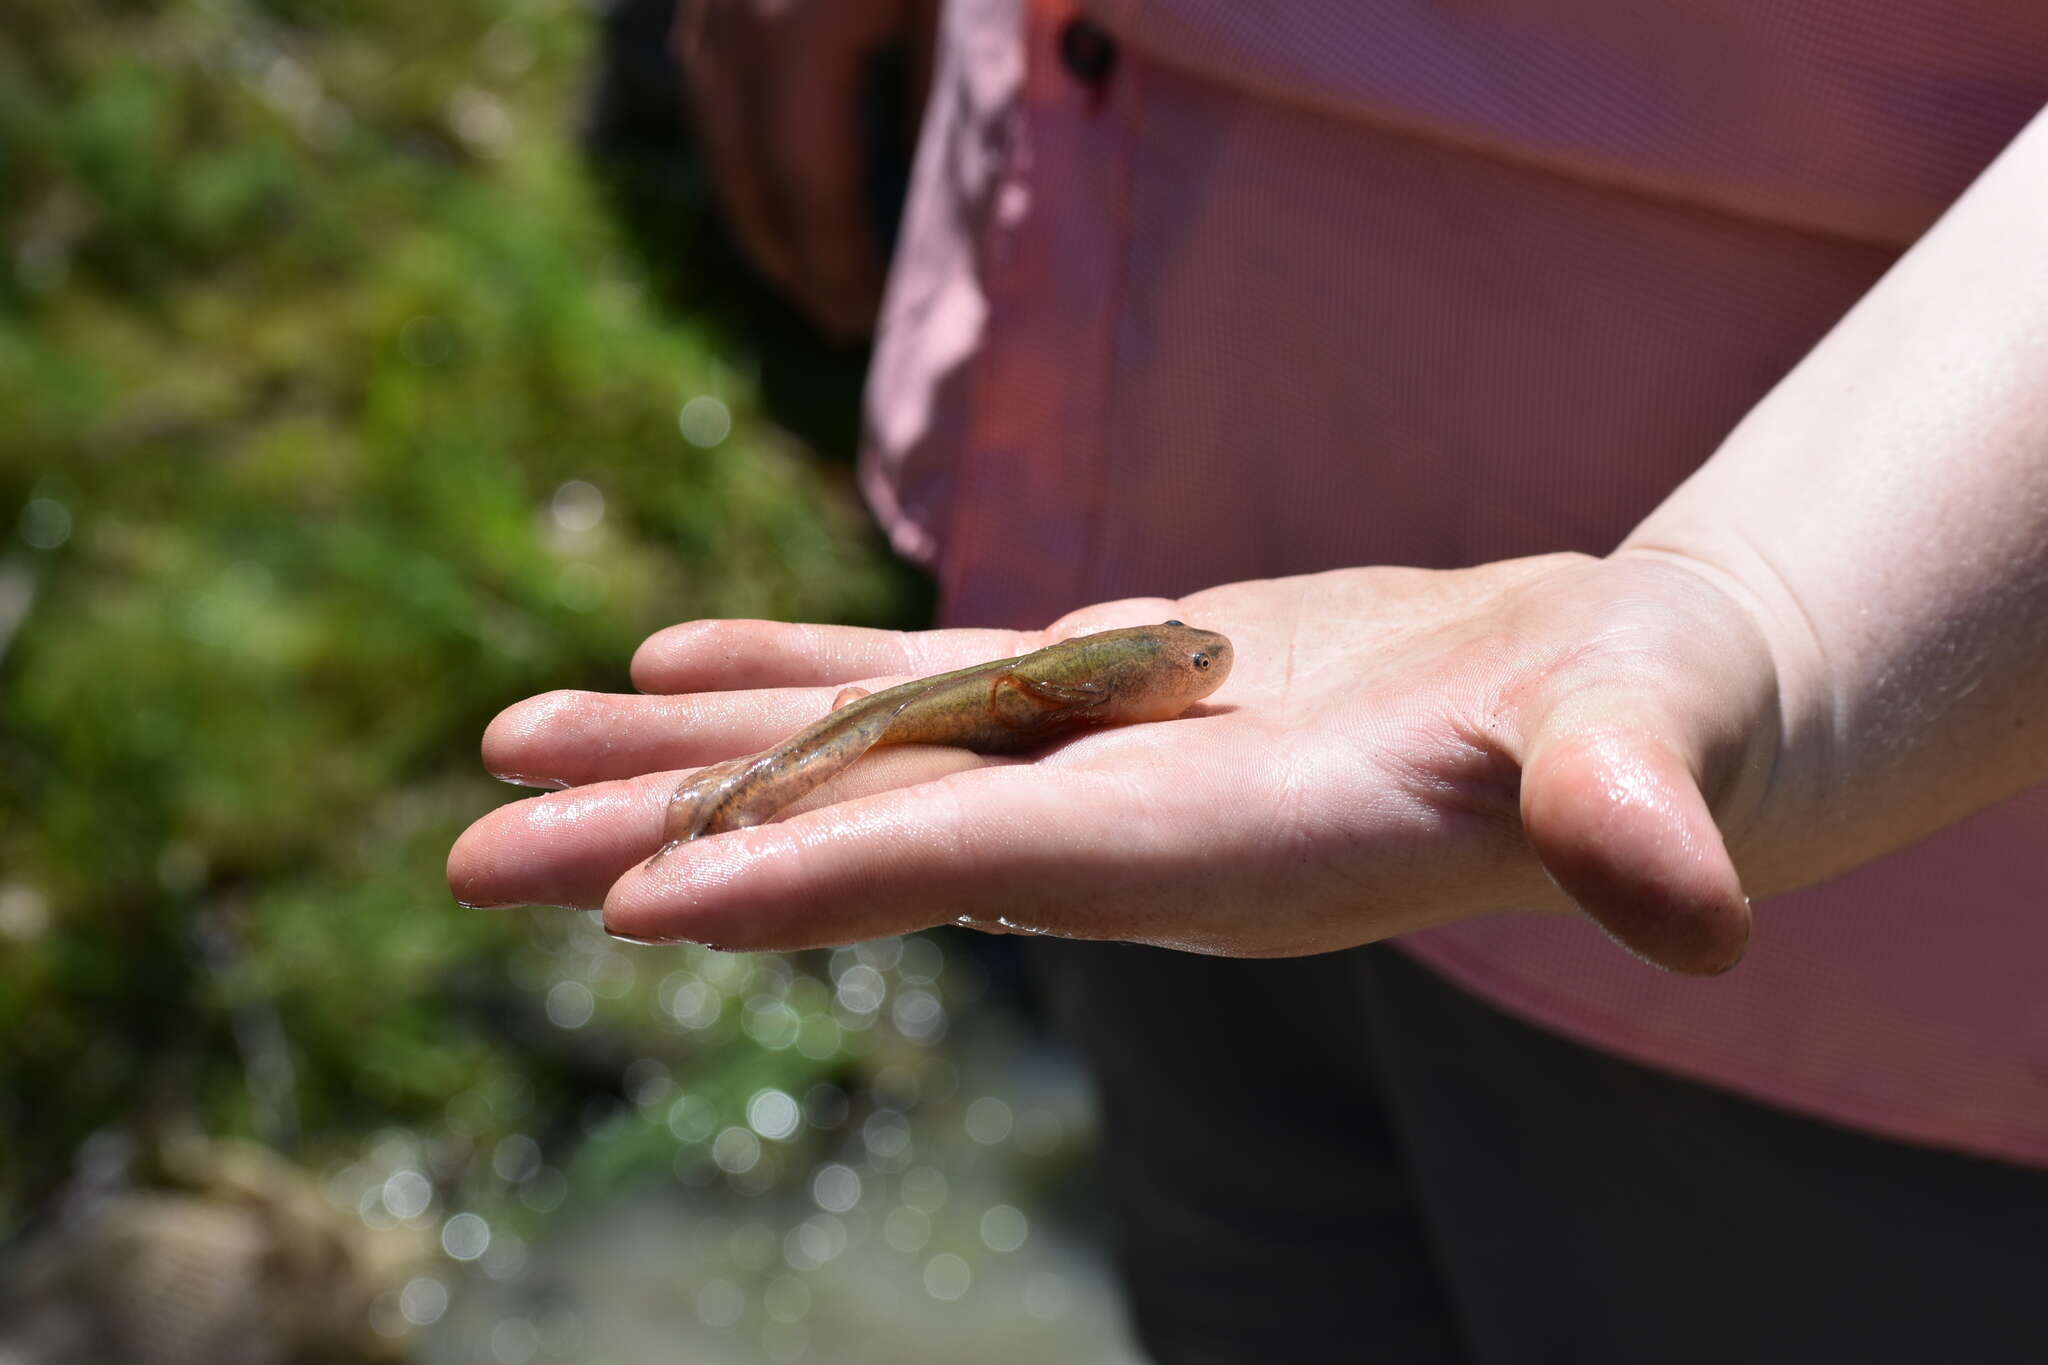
(1770, 747)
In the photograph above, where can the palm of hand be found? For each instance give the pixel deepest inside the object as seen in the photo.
(1395, 748)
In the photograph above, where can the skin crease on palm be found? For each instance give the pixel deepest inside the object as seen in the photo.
(1360, 774)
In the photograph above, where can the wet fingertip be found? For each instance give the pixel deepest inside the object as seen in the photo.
(644, 672)
(1620, 827)
(520, 731)
(624, 915)
(463, 876)
(658, 664)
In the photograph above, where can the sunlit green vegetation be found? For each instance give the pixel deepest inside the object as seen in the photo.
(335, 414)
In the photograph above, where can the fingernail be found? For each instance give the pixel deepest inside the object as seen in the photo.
(642, 940)
(462, 898)
(553, 784)
(518, 905)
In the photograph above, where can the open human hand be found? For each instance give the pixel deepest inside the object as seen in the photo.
(1395, 748)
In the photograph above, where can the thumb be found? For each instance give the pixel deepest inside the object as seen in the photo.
(1614, 812)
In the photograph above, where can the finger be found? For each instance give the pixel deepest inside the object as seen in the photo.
(568, 848)
(1617, 819)
(1021, 848)
(719, 656)
(571, 739)
(562, 849)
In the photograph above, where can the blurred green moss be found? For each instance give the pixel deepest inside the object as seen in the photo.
(335, 414)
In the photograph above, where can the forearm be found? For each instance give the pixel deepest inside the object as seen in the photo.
(1884, 513)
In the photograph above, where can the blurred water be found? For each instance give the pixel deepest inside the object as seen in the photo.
(656, 1278)
(955, 1258)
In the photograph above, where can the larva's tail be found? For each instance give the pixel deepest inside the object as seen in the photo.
(742, 792)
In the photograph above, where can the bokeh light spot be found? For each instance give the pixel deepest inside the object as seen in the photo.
(773, 1114)
(720, 1302)
(570, 1004)
(918, 1015)
(947, 1277)
(24, 912)
(885, 1134)
(736, 1150)
(861, 989)
(1046, 1296)
(465, 1237)
(880, 953)
(926, 1187)
(692, 1002)
(692, 1118)
(922, 963)
(704, 421)
(785, 1342)
(771, 1022)
(423, 1300)
(907, 1229)
(514, 1341)
(407, 1194)
(45, 523)
(546, 1191)
(517, 1157)
(836, 1187)
(989, 1120)
(577, 507)
(1004, 1228)
(1039, 1132)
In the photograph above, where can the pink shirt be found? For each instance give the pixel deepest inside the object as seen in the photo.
(1324, 282)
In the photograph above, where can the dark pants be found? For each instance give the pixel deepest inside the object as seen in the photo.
(1346, 1158)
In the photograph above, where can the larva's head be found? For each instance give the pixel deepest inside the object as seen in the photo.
(1153, 672)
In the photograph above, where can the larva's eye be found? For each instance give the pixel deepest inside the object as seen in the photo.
(1176, 623)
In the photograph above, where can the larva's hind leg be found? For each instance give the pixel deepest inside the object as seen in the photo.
(694, 808)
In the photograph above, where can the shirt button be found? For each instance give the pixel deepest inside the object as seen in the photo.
(1088, 52)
